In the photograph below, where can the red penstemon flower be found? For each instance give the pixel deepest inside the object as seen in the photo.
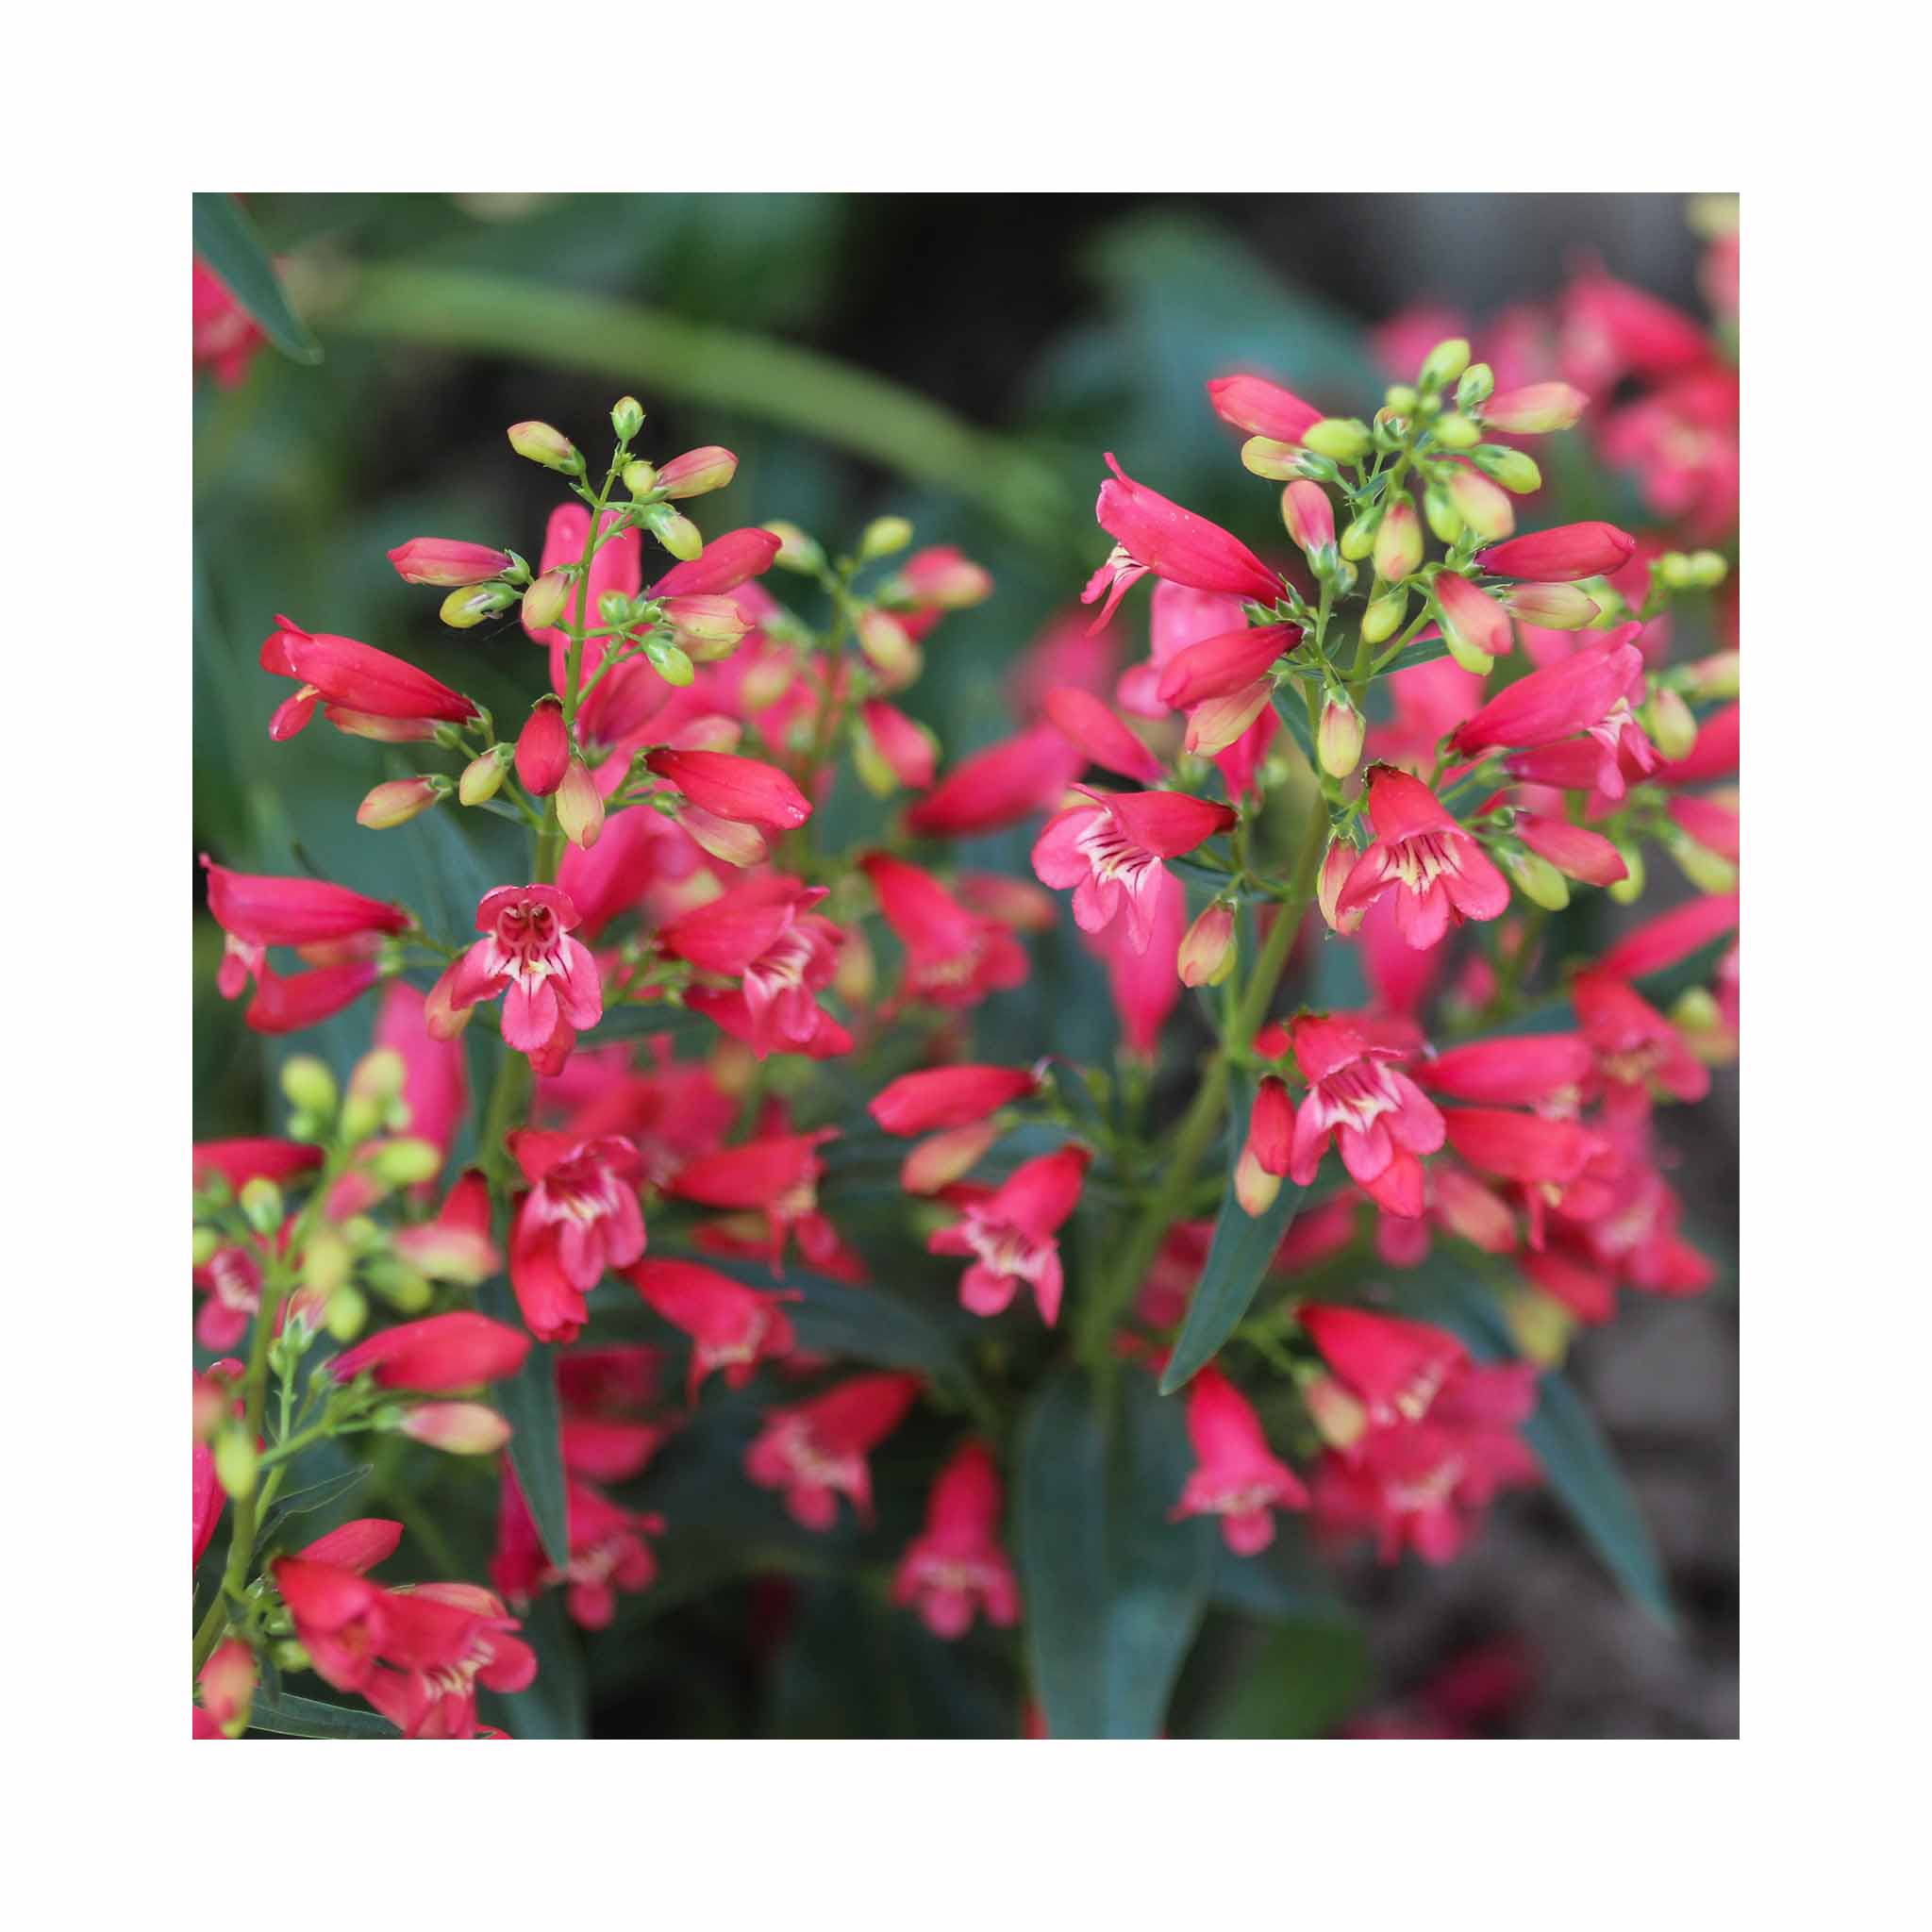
(548, 978)
(764, 934)
(1010, 1234)
(816, 1451)
(1236, 1477)
(732, 1327)
(956, 1567)
(1109, 851)
(579, 1219)
(1381, 1120)
(1437, 870)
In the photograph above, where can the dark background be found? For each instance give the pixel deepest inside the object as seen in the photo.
(1054, 327)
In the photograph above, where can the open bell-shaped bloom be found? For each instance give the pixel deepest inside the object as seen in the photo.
(763, 933)
(948, 1096)
(1109, 851)
(1437, 870)
(436, 1354)
(1011, 1232)
(954, 953)
(548, 980)
(579, 1219)
(816, 1451)
(955, 1566)
(357, 684)
(999, 786)
(1236, 1475)
(732, 1327)
(1377, 1113)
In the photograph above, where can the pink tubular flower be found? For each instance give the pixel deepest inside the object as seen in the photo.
(1236, 1477)
(355, 681)
(733, 787)
(1560, 556)
(956, 1565)
(948, 1097)
(731, 1328)
(725, 563)
(1218, 667)
(543, 748)
(1472, 622)
(1636, 1049)
(999, 786)
(1263, 408)
(1587, 691)
(447, 563)
(1523, 1147)
(1010, 1234)
(1394, 1369)
(776, 1177)
(548, 978)
(263, 911)
(1090, 728)
(607, 1551)
(579, 1219)
(226, 337)
(815, 1451)
(764, 934)
(1153, 534)
(907, 751)
(1437, 870)
(1145, 985)
(1672, 936)
(1544, 1070)
(1110, 851)
(241, 1161)
(955, 957)
(1573, 850)
(436, 1354)
(449, 1637)
(1377, 1115)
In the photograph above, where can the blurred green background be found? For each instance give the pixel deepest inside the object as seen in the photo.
(962, 360)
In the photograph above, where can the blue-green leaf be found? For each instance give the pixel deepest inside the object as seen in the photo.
(1243, 1246)
(309, 1717)
(317, 1495)
(529, 1402)
(224, 238)
(557, 1704)
(1303, 1681)
(1114, 1591)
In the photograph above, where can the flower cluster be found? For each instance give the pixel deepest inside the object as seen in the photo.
(620, 1149)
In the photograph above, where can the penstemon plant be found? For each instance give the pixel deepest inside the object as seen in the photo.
(685, 1140)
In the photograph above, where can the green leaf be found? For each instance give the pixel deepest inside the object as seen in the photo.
(224, 238)
(1243, 1246)
(529, 1402)
(317, 1495)
(1292, 709)
(1114, 1591)
(1424, 651)
(1303, 1681)
(557, 1704)
(309, 1717)
(1582, 1471)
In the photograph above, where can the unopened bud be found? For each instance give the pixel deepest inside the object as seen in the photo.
(1341, 438)
(639, 478)
(325, 1261)
(1538, 880)
(944, 1158)
(627, 417)
(310, 1085)
(464, 608)
(206, 1245)
(1708, 570)
(1255, 1188)
(1358, 539)
(1517, 472)
(483, 776)
(1481, 505)
(347, 1313)
(1399, 399)
(1716, 677)
(1671, 727)
(1474, 387)
(545, 601)
(708, 627)
(1629, 889)
(1339, 742)
(1554, 607)
(1207, 949)
(1458, 432)
(1709, 872)
(1535, 410)
(458, 1429)
(542, 752)
(1337, 1417)
(398, 802)
(1308, 516)
(671, 663)
(404, 1163)
(884, 537)
(697, 472)
(262, 1205)
(542, 444)
(236, 1461)
(885, 642)
(379, 1076)
(673, 530)
(1440, 514)
(1538, 1323)
(1383, 616)
(1443, 363)
(1336, 863)
(796, 551)
(227, 1686)
(1262, 456)
(580, 807)
(402, 1287)
(1398, 547)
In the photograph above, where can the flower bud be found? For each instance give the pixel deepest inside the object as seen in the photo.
(545, 601)
(310, 1085)
(1207, 949)
(482, 776)
(884, 537)
(542, 753)
(1440, 514)
(542, 444)
(1398, 547)
(227, 1686)
(729, 840)
(347, 1313)
(1383, 617)
(1539, 1324)
(1339, 1418)
(1308, 516)
(1629, 889)
(796, 551)
(708, 627)
(1535, 410)
(398, 802)
(443, 562)
(1255, 1188)
(672, 664)
(1474, 387)
(639, 478)
(697, 472)
(1339, 742)
(1517, 472)
(1538, 880)
(1458, 432)
(580, 807)
(1359, 537)
(379, 1076)
(1443, 363)
(1475, 625)
(885, 642)
(235, 1461)
(458, 1429)
(403, 1163)
(1399, 398)
(465, 609)
(1709, 871)
(673, 530)
(627, 417)
(207, 1245)
(1485, 509)
(262, 1205)
(326, 1262)
(1668, 720)
(1716, 677)
(1342, 440)
(406, 1289)
(941, 1158)
(1554, 607)
(1336, 863)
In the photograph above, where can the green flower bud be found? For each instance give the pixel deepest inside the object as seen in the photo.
(1629, 889)
(884, 537)
(545, 601)
(627, 417)
(1476, 387)
(1344, 439)
(639, 478)
(475, 603)
(1671, 727)
(325, 1261)
(1709, 872)
(1443, 363)
(1458, 432)
(348, 1312)
(671, 663)
(1517, 472)
(1439, 513)
(310, 1085)
(542, 444)
(1398, 546)
(483, 776)
(673, 530)
(1280, 463)
(1538, 880)
(405, 1290)
(262, 1205)
(207, 1241)
(1400, 399)
(236, 1461)
(1708, 569)
(1384, 615)
(404, 1163)
(796, 551)
(1358, 539)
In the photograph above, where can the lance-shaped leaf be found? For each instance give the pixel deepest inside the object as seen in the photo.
(1239, 1256)
(309, 1717)
(528, 1403)
(1113, 1591)
(224, 238)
